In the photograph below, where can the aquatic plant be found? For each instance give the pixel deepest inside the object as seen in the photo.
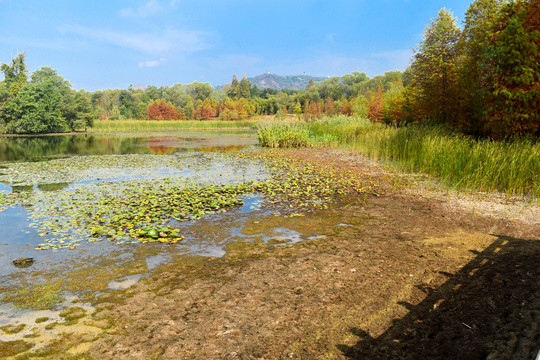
(152, 210)
(283, 135)
(458, 161)
(3, 201)
(128, 212)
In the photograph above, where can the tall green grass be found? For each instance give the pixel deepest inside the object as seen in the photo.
(459, 161)
(281, 134)
(153, 125)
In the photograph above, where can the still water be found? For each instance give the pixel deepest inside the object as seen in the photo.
(35, 148)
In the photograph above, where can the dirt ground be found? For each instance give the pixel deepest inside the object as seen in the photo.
(406, 275)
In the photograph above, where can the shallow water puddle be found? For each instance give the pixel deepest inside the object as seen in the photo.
(17, 324)
(125, 282)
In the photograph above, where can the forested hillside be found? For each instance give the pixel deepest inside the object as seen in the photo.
(280, 82)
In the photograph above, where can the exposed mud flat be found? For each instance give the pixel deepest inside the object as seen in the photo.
(402, 275)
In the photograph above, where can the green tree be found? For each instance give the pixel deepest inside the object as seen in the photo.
(76, 110)
(435, 71)
(244, 88)
(127, 104)
(199, 91)
(476, 71)
(36, 109)
(515, 99)
(189, 109)
(331, 88)
(297, 109)
(15, 74)
(141, 110)
(4, 102)
(234, 90)
(115, 113)
(47, 73)
(177, 95)
(75, 107)
(354, 83)
(361, 106)
(154, 92)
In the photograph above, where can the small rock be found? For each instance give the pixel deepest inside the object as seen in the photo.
(23, 262)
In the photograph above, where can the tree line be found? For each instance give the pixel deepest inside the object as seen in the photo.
(481, 79)
(239, 99)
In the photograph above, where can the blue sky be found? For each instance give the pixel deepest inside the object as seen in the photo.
(99, 44)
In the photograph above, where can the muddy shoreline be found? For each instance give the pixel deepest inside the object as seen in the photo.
(407, 274)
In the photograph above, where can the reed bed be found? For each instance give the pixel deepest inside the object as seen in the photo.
(459, 161)
(282, 134)
(153, 125)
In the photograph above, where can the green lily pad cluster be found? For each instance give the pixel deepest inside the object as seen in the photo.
(3, 201)
(7, 200)
(307, 185)
(152, 210)
(119, 167)
(137, 212)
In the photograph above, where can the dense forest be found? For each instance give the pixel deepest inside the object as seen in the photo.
(481, 79)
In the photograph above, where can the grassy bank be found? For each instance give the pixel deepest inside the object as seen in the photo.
(512, 167)
(153, 125)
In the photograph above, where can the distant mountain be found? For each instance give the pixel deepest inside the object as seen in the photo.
(278, 82)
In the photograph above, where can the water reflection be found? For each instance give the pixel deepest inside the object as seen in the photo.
(37, 148)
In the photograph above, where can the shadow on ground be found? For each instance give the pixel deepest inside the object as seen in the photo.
(490, 309)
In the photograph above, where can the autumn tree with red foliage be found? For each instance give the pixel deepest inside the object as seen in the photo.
(315, 109)
(376, 106)
(330, 109)
(161, 110)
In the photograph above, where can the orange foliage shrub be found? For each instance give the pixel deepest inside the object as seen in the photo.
(375, 106)
(160, 110)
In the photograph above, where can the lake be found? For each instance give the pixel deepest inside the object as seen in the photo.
(95, 213)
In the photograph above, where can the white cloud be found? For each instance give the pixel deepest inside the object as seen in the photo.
(152, 63)
(170, 40)
(148, 9)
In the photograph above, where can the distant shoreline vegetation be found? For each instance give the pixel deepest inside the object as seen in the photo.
(153, 125)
